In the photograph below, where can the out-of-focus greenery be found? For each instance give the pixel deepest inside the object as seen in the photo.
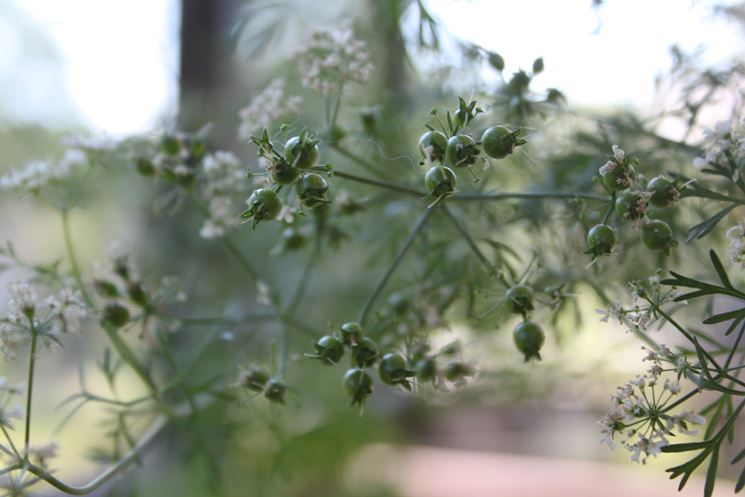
(250, 447)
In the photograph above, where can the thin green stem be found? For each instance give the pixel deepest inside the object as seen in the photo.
(381, 184)
(356, 158)
(472, 243)
(396, 261)
(211, 320)
(125, 462)
(10, 441)
(120, 345)
(337, 106)
(159, 423)
(115, 402)
(129, 357)
(611, 205)
(476, 197)
(245, 264)
(302, 285)
(731, 354)
(76, 273)
(30, 383)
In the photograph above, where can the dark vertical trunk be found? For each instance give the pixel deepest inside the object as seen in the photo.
(386, 16)
(205, 66)
(390, 58)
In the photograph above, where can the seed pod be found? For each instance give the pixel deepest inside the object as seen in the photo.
(519, 299)
(432, 144)
(329, 350)
(601, 239)
(461, 151)
(529, 339)
(114, 316)
(254, 378)
(312, 190)
(351, 333)
(358, 385)
(657, 236)
(301, 151)
(440, 181)
(275, 391)
(498, 141)
(393, 370)
(364, 353)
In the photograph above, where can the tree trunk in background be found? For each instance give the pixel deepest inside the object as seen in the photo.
(386, 17)
(390, 58)
(205, 75)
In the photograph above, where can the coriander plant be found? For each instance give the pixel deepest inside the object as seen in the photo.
(343, 258)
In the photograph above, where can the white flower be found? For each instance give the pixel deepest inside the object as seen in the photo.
(672, 386)
(736, 234)
(224, 176)
(22, 302)
(618, 154)
(647, 446)
(66, 310)
(39, 174)
(683, 419)
(331, 58)
(722, 143)
(266, 107)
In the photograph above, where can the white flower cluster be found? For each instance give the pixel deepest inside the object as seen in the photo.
(66, 309)
(637, 317)
(39, 174)
(724, 146)
(62, 315)
(618, 161)
(736, 234)
(265, 108)
(640, 411)
(224, 176)
(333, 57)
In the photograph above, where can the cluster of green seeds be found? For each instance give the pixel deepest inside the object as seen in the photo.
(631, 204)
(394, 369)
(294, 165)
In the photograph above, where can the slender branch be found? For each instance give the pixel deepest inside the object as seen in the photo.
(129, 357)
(10, 440)
(30, 383)
(356, 158)
(210, 320)
(123, 403)
(611, 205)
(159, 423)
(470, 197)
(396, 261)
(77, 275)
(337, 106)
(472, 243)
(134, 454)
(245, 264)
(381, 184)
(305, 277)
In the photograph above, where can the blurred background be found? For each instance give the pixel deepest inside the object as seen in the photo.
(108, 69)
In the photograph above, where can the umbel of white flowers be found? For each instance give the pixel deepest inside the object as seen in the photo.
(61, 313)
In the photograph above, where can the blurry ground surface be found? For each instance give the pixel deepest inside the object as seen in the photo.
(436, 472)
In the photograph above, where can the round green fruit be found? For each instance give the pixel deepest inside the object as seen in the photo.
(301, 153)
(432, 144)
(529, 339)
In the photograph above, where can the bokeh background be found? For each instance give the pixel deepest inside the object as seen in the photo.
(110, 69)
